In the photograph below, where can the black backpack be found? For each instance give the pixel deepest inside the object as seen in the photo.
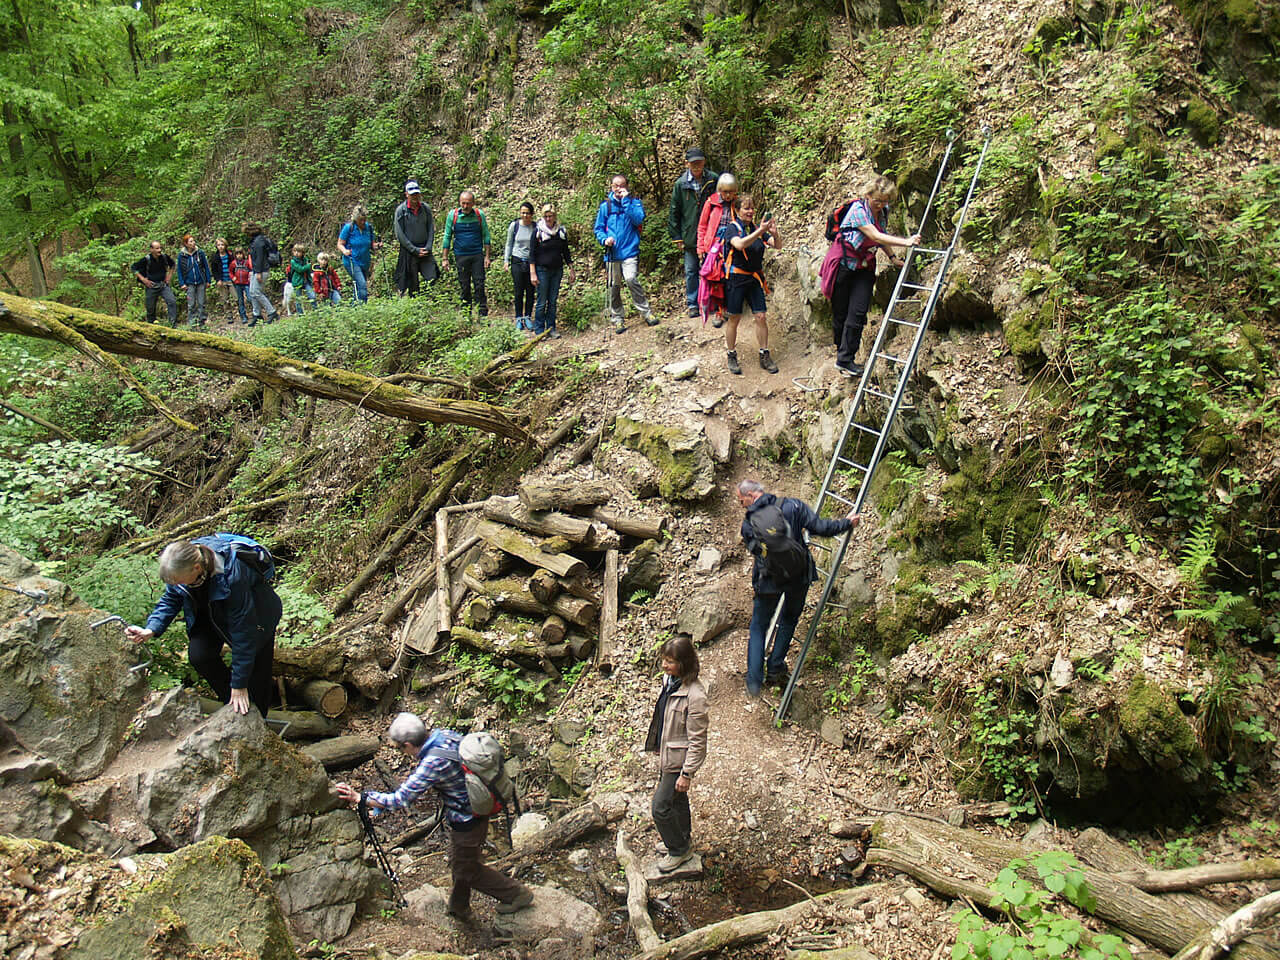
(835, 218)
(273, 252)
(785, 558)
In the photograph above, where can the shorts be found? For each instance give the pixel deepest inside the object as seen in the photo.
(738, 293)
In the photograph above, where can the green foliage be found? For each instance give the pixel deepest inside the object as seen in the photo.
(999, 733)
(997, 567)
(55, 491)
(854, 678)
(1199, 558)
(1032, 930)
(304, 617)
(506, 685)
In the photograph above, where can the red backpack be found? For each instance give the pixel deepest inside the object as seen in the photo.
(836, 217)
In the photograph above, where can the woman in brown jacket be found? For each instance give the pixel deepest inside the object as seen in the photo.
(678, 734)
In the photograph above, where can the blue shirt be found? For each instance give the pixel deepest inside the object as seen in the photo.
(358, 241)
(442, 775)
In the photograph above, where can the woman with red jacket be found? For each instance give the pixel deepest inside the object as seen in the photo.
(713, 217)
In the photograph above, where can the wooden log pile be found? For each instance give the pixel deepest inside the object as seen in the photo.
(541, 585)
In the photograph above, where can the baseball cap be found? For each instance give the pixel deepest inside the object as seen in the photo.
(693, 153)
(412, 187)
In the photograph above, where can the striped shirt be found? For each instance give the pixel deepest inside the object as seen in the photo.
(444, 776)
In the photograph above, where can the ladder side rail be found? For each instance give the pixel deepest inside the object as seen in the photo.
(973, 184)
(937, 181)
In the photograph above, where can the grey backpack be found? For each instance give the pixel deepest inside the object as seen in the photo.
(489, 789)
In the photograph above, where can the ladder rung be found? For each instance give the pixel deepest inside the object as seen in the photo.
(876, 393)
(852, 463)
(820, 545)
(936, 253)
(915, 286)
(908, 300)
(905, 323)
(866, 429)
(836, 496)
(890, 357)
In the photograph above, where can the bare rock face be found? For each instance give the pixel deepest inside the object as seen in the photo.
(233, 777)
(66, 691)
(679, 451)
(34, 801)
(706, 613)
(213, 899)
(554, 913)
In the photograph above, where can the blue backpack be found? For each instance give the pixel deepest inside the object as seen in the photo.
(250, 552)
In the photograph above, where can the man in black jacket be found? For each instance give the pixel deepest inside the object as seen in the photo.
(154, 272)
(259, 253)
(687, 196)
(798, 517)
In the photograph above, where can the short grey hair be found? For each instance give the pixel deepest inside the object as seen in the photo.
(408, 728)
(358, 212)
(750, 486)
(178, 559)
(726, 181)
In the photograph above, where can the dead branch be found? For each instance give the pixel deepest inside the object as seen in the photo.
(637, 897)
(182, 530)
(608, 614)
(1193, 878)
(1232, 929)
(392, 612)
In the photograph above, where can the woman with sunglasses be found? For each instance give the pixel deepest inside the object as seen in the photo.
(221, 585)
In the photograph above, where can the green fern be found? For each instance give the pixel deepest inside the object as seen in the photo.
(1198, 555)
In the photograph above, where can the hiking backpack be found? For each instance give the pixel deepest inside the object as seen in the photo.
(489, 789)
(251, 553)
(836, 217)
(785, 559)
(273, 252)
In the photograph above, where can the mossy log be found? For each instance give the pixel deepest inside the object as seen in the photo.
(581, 586)
(544, 586)
(553, 629)
(494, 562)
(342, 753)
(360, 658)
(550, 523)
(478, 611)
(149, 341)
(513, 594)
(555, 494)
(527, 549)
(646, 528)
(509, 645)
(637, 896)
(961, 863)
(750, 927)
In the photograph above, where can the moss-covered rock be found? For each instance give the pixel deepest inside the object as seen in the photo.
(1022, 330)
(1108, 144)
(1049, 32)
(682, 456)
(1239, 39)
(914, 608)
(1202, 123)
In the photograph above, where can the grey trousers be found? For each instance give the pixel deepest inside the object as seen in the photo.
(165, 292)
(671, 814)
(628, 272)
(258, 296)
(196, 310)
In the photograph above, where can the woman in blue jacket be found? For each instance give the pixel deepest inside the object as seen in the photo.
(194, 276)
(619, 223)
(221, 585)
(355, 241)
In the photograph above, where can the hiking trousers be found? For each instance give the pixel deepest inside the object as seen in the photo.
(848, 329)
(161, 291)
(671, 814)
(466, 863)
(629, 272)
(761, 615)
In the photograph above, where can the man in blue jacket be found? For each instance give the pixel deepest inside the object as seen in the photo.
(618, 226)
(221, 586)
(766, 582)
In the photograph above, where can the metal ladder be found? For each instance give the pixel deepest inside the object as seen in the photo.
(908, 297)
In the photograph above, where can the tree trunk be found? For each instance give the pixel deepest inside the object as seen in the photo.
(750, 927)
(1232, 929)
(513, 594)
(342, 753)
(361, 660)
(579, 645)
(324, 696)
(553, 629)
(580, 586)
(554, 494)
(637, 897)
(303, 724)
(646, 528)
(444, 614)
(494, 562)
(527, 549)
(608, 614)
(543, 586)
(491, 641)
(209, 352)
(478, 612)
(958, 862)
(550, 523)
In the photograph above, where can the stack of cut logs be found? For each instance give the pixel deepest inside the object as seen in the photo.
(523, 581)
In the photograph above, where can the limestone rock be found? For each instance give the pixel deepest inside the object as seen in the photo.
(527, 827)
(643, 572)
(708, 561)
(65, 690)
(554, 913)
(682, 369)
(705, 614)
(820, 438)
(681, 454)
(227, 778)
(1062, 673)
(566, 762)
(720, 436)
(210, 899)
(832, 732)
(428, 906)
(174, 713)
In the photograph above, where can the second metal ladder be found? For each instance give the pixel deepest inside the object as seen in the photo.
(865, 435)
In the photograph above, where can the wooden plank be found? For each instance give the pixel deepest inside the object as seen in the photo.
(444, 618)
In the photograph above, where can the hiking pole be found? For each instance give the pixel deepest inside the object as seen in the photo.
(362, 808)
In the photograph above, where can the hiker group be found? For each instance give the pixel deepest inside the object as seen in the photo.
(722, 236)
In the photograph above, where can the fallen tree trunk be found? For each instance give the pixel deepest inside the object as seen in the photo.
(637, 897)
(508, 645)
(1193, 878)
(149, 341)
(518, 545)
(549, 523)
(581, 586)
(303, 724)
(553, 629)
(513, 594)
(554, 494)
(361, 659)
(494, 562)
(324, 696)
(948, 859)
(186, 529)
(342, 753)
(750, 927)
(1232, 929)
(478, 611)
(543, 586)
(449, 475)
(444, 615)
(608, 614)
(573, 826)
(646, 528)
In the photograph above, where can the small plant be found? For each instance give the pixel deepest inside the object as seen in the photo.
(1032, 931)
(1000, 733)
(1178, 853)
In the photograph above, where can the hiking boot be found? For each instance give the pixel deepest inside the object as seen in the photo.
(853, 372)
(694, 312)
(766, 362)
(778, 680)
(522, 900)
(718, 321)
(272, 318)
(734, 366)
(619, 327)
(554, 334)
(651, 320)
(674, 861)
(465, 917)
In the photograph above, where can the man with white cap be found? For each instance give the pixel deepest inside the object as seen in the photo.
(416, 232)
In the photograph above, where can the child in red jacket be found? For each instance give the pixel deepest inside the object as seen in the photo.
(240, 268)
(325, 280)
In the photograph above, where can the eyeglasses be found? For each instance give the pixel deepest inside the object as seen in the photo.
(200, 580)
